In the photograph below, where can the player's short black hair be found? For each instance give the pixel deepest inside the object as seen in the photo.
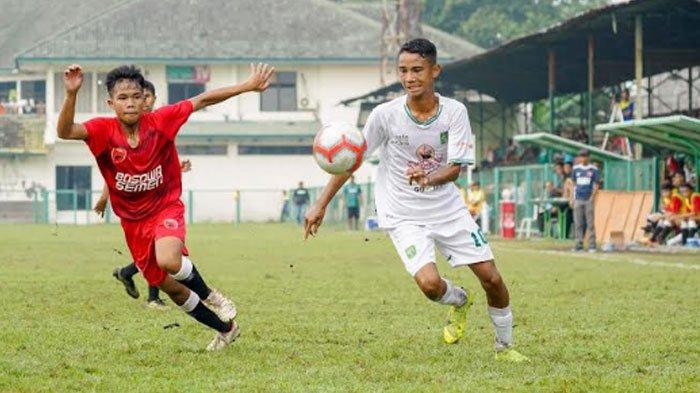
(667, 186)
(147, 85)
(422, 47)
(124, 72)
(686, 185)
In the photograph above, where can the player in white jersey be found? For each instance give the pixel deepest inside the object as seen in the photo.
(425, 139)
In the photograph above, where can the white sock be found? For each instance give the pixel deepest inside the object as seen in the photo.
(190, 303)
(502, 320)
(674, 241)
(454, 295)
(185, 270)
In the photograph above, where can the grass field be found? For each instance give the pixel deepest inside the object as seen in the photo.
(339, 313)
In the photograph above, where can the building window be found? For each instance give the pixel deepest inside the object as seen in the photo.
(34, 96)
(73, 185)
(102, 93)
(281, 96)
(203, 150)
(8, 92)
(274, 150)
(84, 101)
(185, 82)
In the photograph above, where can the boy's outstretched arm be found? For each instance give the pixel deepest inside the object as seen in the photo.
(314, 216)
(66, 126)
(259, 80)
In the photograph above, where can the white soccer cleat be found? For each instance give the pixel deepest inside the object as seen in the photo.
(222, 340)
(221, 305)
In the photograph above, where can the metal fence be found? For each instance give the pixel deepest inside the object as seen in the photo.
(522, 184)
(526, 184)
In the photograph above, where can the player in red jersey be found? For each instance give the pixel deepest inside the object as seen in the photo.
(135, 152)
(125, 274)
(689, 214)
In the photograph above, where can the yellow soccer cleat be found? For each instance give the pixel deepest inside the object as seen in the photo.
(457, 320)
(511, 355)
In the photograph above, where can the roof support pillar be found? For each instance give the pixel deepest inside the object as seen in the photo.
(591, 76)
(481, 126)
(690, 91)
(650, 97)
(551, 88)
(638, 66)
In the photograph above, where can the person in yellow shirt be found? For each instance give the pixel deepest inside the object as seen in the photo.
(475, 199)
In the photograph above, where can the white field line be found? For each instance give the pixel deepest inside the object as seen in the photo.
(605, 258)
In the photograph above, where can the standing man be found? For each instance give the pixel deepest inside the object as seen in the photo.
(475, 201)
(352, 194)
(585, 179)
(425, 139)
(300, 197)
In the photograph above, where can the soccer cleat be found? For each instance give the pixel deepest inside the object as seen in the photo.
(221, 305)
(457, 320)
(157, 304)
(222, 340)
(128, 282)
(511, 355)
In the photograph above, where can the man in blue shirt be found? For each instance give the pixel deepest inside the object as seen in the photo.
(300, 197)
(585, 178)
(352, 194)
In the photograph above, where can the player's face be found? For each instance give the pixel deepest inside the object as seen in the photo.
(417, 74)
(127, 101)
(148, 100)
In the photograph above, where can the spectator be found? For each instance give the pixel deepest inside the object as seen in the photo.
(475, 201)
(558, 190)
(626, 105)
(585, 178)
(660, 224)
(550, 192)
(284, 216)
(568, 193)
(352, 194)
(689, 214)
(301, 201)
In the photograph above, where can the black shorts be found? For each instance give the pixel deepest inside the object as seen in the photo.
(353, 212)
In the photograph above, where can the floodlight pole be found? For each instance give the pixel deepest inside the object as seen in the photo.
(690, 91)
(591, 76)
(552, 85)
(638, 66)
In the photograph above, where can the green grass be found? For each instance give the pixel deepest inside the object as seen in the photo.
(340, 313)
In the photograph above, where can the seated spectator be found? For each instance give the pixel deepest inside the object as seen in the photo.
(661, 224)
(689, 214)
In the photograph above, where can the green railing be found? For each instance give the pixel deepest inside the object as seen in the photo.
(525, 184)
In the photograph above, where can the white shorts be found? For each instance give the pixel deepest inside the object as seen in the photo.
(460, 241)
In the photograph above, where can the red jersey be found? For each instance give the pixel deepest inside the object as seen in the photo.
(691, 204)
(147, 178)
(672, 204)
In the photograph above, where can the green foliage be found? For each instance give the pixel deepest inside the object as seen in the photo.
(489, 23)
(338, 313)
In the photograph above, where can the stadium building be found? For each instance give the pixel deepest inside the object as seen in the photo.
(246, 150)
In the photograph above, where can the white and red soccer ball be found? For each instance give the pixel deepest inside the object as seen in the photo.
(339, 147)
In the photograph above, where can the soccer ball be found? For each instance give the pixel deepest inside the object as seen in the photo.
(338, 148)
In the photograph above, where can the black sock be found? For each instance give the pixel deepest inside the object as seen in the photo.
(684, 233)
(196, 283)
(129, 270)
(153, 293)
(207, 317)
(657, 234)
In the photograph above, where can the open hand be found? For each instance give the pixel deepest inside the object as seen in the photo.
(185, 166)
(100, 207)
(73, 78)
(260, 75)
(313, 220)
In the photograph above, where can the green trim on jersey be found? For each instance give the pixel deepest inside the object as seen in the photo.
(420, 123)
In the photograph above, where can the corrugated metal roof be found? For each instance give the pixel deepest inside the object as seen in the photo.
(211, 30)
(517, 70)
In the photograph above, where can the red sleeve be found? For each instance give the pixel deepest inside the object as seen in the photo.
(696, 204)
(170, 118)
(98, 134)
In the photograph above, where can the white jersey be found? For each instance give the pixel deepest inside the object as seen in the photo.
(444, 139)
